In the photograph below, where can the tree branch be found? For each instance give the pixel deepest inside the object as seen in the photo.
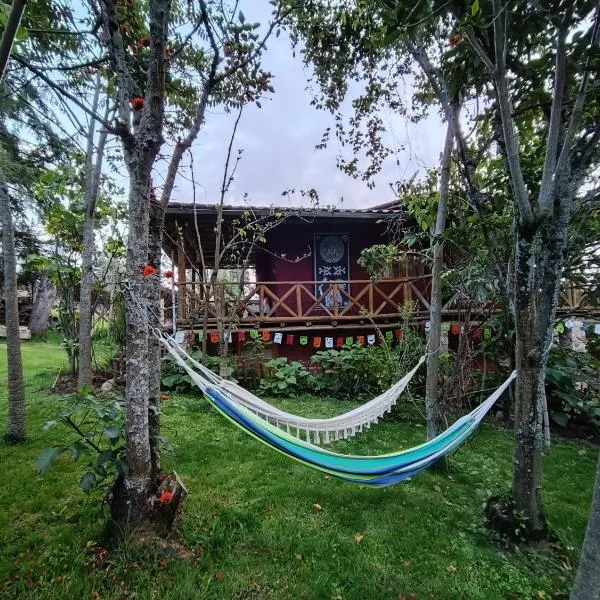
(553, 138)
(510, 135)
(10, 32)
(184, 144)
(116, 130)
(577, 113)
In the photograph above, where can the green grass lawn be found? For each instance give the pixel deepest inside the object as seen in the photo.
(250, 528)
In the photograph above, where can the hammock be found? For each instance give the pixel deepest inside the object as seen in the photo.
(317, 430)
(378, 471)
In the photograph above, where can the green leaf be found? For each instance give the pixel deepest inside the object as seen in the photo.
(122, 467)
(113, 432)
(475, 8)
(87, 482)
(561, 418)
(171, 380)
(47, 458)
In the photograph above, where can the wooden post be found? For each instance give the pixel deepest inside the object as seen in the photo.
(181, 277)
(173, 303)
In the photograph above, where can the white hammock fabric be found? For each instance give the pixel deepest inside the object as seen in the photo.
(313, 430)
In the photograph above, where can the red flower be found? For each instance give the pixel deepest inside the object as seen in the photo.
(168, 274)
(150, 270)
(166, 497)
(137, 103)
(454, 40)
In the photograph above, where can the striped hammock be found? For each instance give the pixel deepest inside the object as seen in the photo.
(315, 430)
(379, 471)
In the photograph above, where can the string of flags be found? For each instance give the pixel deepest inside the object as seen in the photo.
(322, 341)
(370, 339)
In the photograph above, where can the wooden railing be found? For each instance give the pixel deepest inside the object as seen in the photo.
(303, 301)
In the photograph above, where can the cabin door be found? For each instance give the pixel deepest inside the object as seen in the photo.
(332, 263)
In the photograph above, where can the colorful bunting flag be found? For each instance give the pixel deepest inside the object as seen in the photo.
(201, 336)
(349, 340)
(477, 333)
(487, 333)
(360, 339)
(278, 337)
(371, 339)
(389, 335)
(427, 326)
(241, 336)
(455, 329)
(445, 327)
(289, 339)
(597, 328)
(303, 340)
(328, 342)
(559, 328)
(399, 334)
(214, 337)
(253, 333)
(339, 342)
(266, 335)
(317, 342)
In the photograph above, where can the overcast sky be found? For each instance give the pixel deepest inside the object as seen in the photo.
(279, 143)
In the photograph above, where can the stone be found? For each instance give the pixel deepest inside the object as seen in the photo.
(107, 386)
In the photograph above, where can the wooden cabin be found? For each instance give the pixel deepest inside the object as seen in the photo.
(302, 280)
(303, 276)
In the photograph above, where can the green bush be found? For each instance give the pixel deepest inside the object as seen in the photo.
(287, 378)
(96, 426)
(573, 387)
(355, 371)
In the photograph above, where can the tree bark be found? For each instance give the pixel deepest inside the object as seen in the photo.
(42, 306)
(435, 308)
(587, 580)
(529, 357)
(16, 430)
(92, 187)
(138, 480)
(10, 31)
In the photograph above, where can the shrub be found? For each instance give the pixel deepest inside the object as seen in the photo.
(356, 370)
(573, 387)
(98, 436)
(287, 378)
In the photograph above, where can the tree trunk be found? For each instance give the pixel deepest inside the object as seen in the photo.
(11, 27)
(587, 580)
(130, 501)
(15, 431)
(92, 186)
(42, 306)
(529, 441)
(435, 309)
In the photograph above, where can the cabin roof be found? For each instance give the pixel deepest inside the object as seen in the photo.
(372, 212)
(186, 223)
